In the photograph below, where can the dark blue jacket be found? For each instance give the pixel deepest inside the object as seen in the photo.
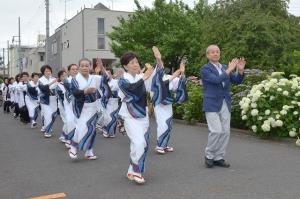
(213, 90)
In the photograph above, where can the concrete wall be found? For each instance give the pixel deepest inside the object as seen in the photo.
(91, 31)
(81, 33)
(34, 62)
(72, 40)
(55, 44)
(14, 67)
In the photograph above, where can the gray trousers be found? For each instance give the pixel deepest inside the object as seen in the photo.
(219, 133)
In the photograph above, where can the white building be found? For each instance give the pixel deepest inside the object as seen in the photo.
(34, 60)
(16, 54)
(85, 35)
(32, 57)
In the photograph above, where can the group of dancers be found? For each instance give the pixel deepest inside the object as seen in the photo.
(87, 98)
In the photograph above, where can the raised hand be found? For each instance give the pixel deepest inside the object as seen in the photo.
(147, 65)
(156, 52)
(97, 70)
(232, 65)
(99, 62)
(119, 73)
(182, 67)
(99, 66)
(175, 74)
(148, 73)
(157, 56)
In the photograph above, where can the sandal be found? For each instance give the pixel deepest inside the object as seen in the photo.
(72, 155)
(169, 149)
(138, 178)
(160, 150)
(92, 157)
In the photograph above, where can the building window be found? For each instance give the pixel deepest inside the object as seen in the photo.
(101, 34)
(101, 26)
(101, 42)
(41, 58)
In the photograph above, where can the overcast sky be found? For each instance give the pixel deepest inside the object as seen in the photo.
(32, 13)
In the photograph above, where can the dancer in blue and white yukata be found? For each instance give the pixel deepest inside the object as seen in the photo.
(162, 100)
(109, 102)
(68, 105)
(112, 106)
(60, 91)
(32, 100)
(16, 96)
(48, 100)
(5, 89)
(84, 88)
(134, 111)
(22, 90)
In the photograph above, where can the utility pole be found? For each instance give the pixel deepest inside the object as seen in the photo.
(8, 63)
(3, 62)
(19, 49)
(47, 30)
(65, 19)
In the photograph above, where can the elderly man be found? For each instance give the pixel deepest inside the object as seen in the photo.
(216, 79)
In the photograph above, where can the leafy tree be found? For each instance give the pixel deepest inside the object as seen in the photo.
(261, 31)
(166, 25)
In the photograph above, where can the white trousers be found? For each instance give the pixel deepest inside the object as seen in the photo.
(219, 133)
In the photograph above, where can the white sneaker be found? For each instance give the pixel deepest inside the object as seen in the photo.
(43, 129)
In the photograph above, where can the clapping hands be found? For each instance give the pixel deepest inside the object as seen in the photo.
(236, 63)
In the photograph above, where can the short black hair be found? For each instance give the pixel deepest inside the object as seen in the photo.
(70, 66)
(44, 67)
(17, 78)
(60, 73)
(85, 59)
(127, 57)
(35, 74)
(23, 74)
(9, 80)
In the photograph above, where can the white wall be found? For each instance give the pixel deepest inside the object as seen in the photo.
(72, 31)
(91, 31)
(35, 64)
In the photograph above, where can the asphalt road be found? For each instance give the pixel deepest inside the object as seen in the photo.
(32, 166)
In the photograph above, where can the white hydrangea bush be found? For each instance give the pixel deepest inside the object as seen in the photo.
(272, 108)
